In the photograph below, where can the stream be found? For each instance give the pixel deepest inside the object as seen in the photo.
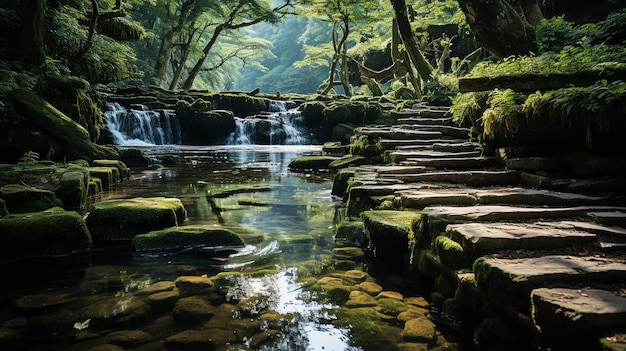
(282, 291)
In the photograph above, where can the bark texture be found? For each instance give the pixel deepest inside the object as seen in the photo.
(499, 28)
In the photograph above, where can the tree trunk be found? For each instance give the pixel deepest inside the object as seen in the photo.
(196, 68)
(163, 57)
(532, 11)
(410, 44)
(32, 31)
(499, 28)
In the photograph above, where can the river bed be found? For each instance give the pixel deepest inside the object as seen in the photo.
(287, 220)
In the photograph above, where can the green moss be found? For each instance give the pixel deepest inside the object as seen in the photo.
(347, 161)
(391, 306)
(105, 174)
(3, 208)
(53, 232)
(342, 180)
(367, 329)
(21, 199)
(73, 187)
(123, 219)
(350, 233)
(450, 252)
(124, 172)
(179, 238)
(311, 163)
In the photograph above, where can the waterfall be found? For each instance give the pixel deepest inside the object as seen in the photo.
(283, 125)
(140, 126)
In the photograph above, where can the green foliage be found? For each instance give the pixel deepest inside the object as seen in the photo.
(29, 159)
(441, 89)
(554, 34)
(597, 108)
(502, 115)
(468, 108)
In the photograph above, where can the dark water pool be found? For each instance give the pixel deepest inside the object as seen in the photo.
(266, 296)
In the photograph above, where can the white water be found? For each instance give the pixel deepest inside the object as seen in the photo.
(283, 125)
(140, 127)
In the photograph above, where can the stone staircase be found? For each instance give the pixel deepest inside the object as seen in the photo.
(526, 251)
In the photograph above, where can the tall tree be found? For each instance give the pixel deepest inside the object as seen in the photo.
(408, 38)
(500, 28)
(32, 31)
(237, 14)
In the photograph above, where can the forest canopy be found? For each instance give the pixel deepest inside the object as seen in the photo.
(412, 49)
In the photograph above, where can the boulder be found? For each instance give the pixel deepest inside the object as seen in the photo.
(21, 199)
(123, 219)
(390, 232)
(133, 157)
(123, 170)
(311, 163)
(177, 239)
(50, 233)
(347, 161)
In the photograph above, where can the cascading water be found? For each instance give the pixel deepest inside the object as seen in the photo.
(283, 125)
(139, 126)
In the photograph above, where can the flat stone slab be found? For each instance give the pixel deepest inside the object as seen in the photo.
(469, 178)
(426, 121)
(425, 198)
(577, 316)
(522, 196)
(398, 133)
(609, 218)
(473, 162)
(496, 213)
(483, 238)
(455, 132)
(403, 155)
(510, 281)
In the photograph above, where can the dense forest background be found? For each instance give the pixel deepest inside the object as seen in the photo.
(275, 46)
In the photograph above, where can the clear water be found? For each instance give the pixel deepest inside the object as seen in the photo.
(290, 241)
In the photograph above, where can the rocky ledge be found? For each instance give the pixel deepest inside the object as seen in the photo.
(523, 250)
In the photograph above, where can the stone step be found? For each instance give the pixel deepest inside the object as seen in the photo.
(468, 178)
(451, 162)
(498, 213)
(575, 319)
(393, 144)
(478, 239)
(455, 132)
(510, 281)
(425, 112)
(463, 146)
(512, 196)
(398, 133)
(446, 121)
(400, 155)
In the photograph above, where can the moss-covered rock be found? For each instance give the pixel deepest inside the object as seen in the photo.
(341, 181)
(3, 208)
(188, 237)
(205, 127)
(334, 148)
(49, 233)
(351, 233)
(123, 219)
(108, 175)
(347, 161)
(311, 163)
(450, 252)
(22, 199)
(123, 170)
(312, 113)
(390, 232)
(56, 134)
(133, 157)
(73, 187)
